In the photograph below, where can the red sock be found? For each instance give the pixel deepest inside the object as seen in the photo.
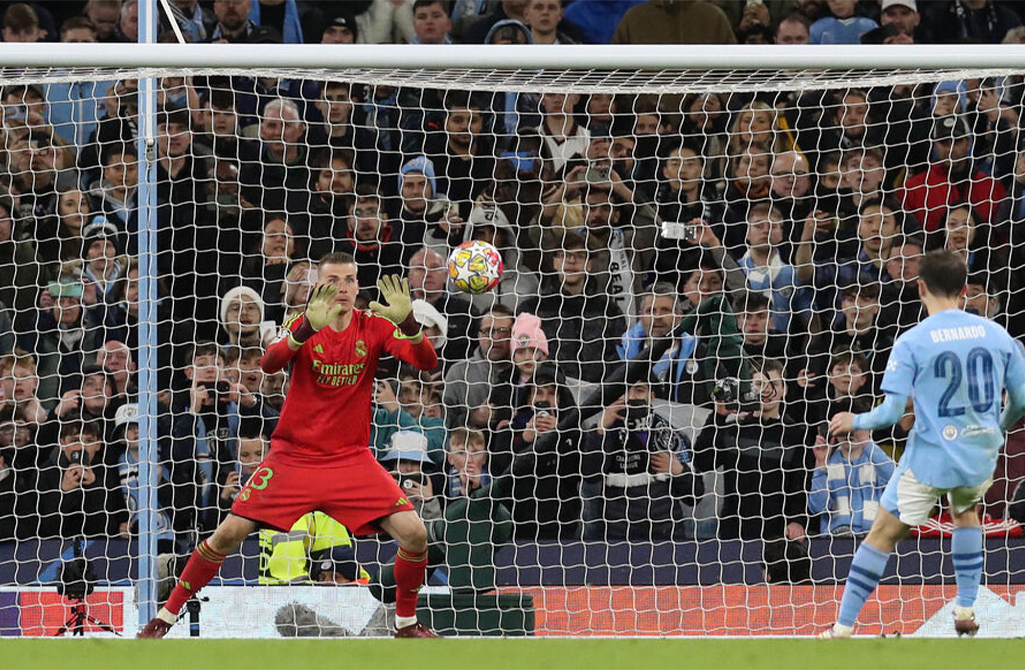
(409, 578)
(201, 568)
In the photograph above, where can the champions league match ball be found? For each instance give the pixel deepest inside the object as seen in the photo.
(475, 267)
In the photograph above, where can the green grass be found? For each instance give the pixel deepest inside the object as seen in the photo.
(489, 654)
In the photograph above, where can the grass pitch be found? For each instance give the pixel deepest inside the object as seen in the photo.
(500, 654)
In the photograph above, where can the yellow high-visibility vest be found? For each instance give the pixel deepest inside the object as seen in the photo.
(285, 557)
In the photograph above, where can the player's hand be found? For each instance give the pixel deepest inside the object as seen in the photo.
(841, 423)
(321, 310)
(395, 293)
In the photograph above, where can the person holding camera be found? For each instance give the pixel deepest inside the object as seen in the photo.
(204, 433)
(765, 463)
(850, 474)
(545, 498)
(411, 467)
(638, 474)
(79, 492)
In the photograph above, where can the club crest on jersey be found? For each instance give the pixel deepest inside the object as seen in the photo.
(361, 348)
(950, 432)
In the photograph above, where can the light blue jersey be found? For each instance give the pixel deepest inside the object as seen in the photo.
(956, 366)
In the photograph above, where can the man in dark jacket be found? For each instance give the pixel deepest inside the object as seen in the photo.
(582, 325)
(640, 473)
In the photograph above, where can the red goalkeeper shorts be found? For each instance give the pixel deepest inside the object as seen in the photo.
(356, 491)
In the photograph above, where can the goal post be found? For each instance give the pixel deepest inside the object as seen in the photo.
(221, 219)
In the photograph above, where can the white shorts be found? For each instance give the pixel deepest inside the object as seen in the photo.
(911, 501)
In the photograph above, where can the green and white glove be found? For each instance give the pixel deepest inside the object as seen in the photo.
(399, 307)
(320, 311)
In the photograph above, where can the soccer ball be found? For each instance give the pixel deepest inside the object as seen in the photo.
(475, 267)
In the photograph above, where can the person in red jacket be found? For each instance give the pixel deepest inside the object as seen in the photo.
(951, 179)
(319, 458)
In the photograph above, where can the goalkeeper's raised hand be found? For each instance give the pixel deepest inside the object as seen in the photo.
(320, 311)
(399, 307)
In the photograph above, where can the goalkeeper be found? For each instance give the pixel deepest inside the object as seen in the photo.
(320, 459)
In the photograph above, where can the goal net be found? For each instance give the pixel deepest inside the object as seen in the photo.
(701, 266)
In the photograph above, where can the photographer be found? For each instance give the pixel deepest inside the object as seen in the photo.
(204, 436)
(637, 471)
(412, 469)
(764, 461)
(79, 492)
(545, 502)
(851, 472)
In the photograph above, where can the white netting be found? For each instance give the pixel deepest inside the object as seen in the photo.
(758, 230)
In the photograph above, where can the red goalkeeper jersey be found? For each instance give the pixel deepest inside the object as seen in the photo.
(327, 409)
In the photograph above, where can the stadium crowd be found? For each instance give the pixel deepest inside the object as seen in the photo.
(795, 224)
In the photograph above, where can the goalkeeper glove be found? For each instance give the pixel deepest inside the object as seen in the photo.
(399, 307)
(320, 311)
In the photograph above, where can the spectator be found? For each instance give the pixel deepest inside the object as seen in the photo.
(877, 231)
(766, 269)
(128, 22)
(276, 174)
(681, 197)
(662, 22)
(967, 236)
(582, 324)
(564, 140)
(19, 475)
(901, 22)
(791, 189)
(754, 321)
(749, 182)
(19, 385)
(264, 270)
(462, 154)
(764, 462)
(204, 436)
(411, 468)
(642, 473)
(794, 28)
(21, 24)
(848, 377)
(92, 401)
(341, 29)
(597, 19)
(302, 277)
(102, 263)
(281, 17)
(126, 439)
(79, 492)
(252, 447)
(115, 195)
(863, 175)
(468, 382)
(336, 106)
(994, 124)
(199, 21)
(246, 378)
(847, 125)
(371, 239)
(392, 416)
(331, 199)
(235, 25)
(950, 178)
(115, 359)
(544, 17)
(431, 22)
(467, 463)
(545, 498)
(105, 16)
(73, 210)
(843, 27)
(978, 21)
(900, 303)
(850, 474)
(427, 217)
(504, 11)
(428, 278)
(65, 332)
(242, 320)
(856, 326)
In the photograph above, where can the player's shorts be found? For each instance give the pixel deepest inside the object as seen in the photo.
(911, 501)
(356, 492)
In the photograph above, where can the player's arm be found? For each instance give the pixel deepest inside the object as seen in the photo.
(885, 414)
(1014, 408)
(320, 311)
(408, 343)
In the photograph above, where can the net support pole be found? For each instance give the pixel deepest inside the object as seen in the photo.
(147, 202)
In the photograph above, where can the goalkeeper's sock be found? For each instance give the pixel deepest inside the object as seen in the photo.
(867, 569)
(966, 547)
(409, 579)
(201, 568)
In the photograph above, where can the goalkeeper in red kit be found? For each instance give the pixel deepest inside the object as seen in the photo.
(319, 457)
